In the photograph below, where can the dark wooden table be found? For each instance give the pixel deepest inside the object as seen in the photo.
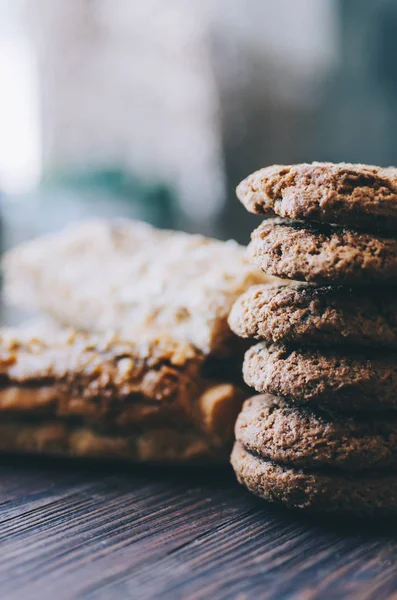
(82, 531)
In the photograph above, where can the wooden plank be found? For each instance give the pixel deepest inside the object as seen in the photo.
(71, 532)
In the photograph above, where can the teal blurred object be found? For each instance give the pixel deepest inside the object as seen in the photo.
(108, 193)
(154, 202)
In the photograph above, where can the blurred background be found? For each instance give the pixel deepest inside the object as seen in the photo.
(157, 109)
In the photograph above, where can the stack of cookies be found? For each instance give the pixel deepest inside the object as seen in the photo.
(103, 397)
(323, 434)
(139, 363)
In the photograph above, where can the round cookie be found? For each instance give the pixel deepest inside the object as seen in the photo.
(361, 196)
(304, 438)
(321, 315)
(370, 493)
(325, 377)
(322, 253)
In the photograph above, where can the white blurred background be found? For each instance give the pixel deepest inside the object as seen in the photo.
(157, 109)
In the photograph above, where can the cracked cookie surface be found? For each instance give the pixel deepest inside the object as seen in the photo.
(306, 438)
(354, 381)
(318, 315)
(371, 493)
(323, 253)
(361, 196)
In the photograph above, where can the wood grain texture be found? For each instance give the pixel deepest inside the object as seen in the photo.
(89, 531)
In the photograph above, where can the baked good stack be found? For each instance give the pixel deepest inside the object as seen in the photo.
(323, 434)
(146, 369)
(104, 397)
